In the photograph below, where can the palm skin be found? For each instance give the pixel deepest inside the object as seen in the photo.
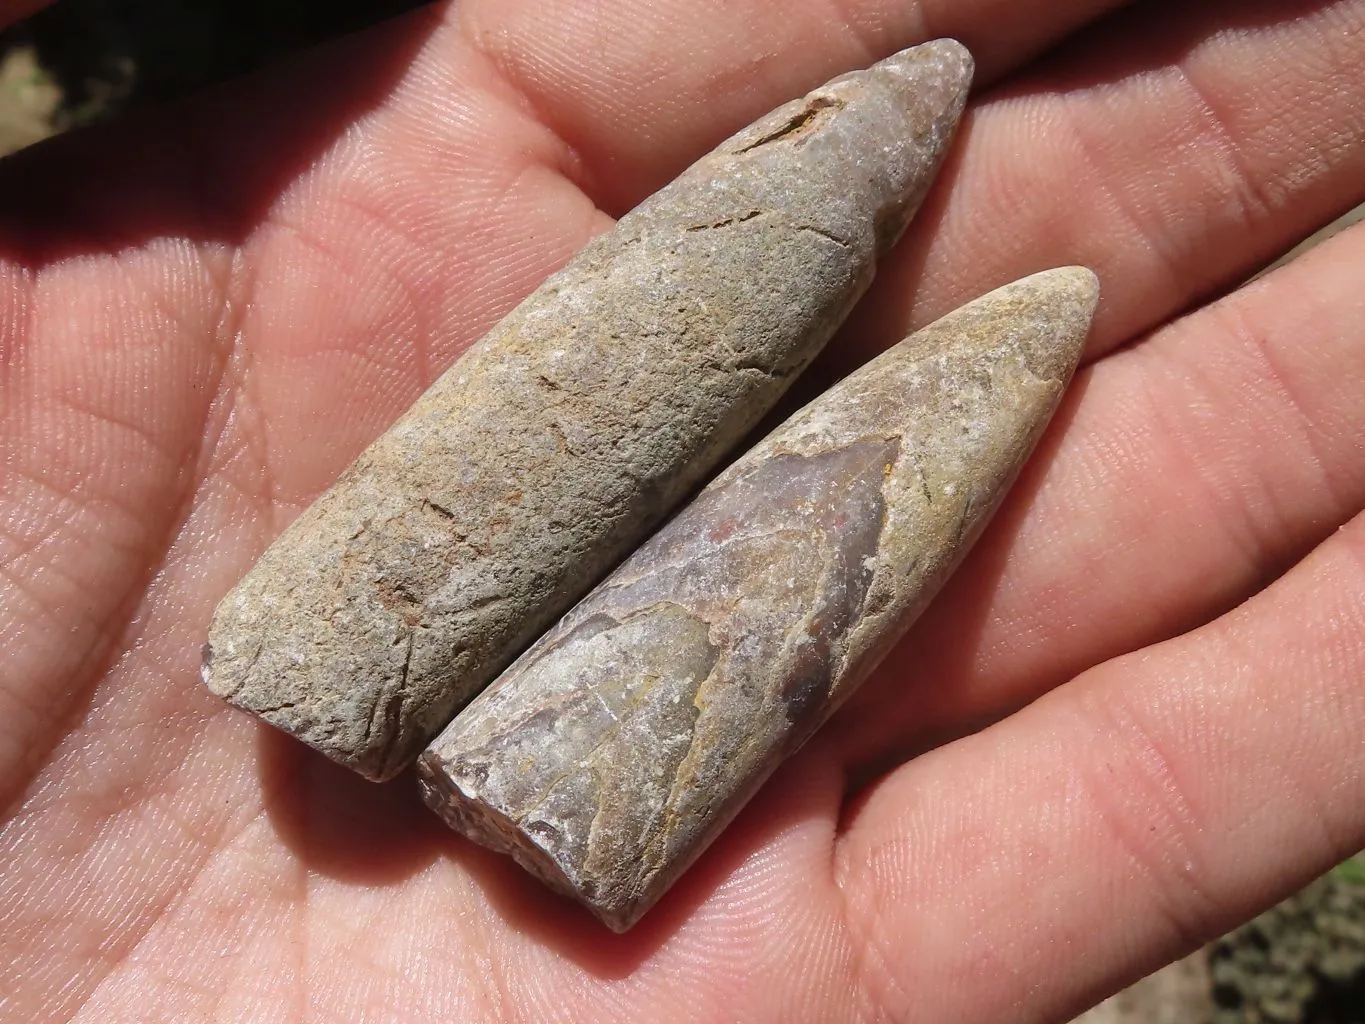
(1136, 710)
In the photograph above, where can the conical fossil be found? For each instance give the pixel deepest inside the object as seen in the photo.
(568, 433)
(616, 749)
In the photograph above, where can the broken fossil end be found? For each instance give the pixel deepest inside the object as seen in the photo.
(481, 823)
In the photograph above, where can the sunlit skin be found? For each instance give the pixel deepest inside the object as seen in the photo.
(1133, 720)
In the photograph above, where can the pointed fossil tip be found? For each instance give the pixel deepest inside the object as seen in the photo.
(1043, 320)
(923, 92)
(947, 58)
(938, 75)
(1059, 304)
(1072, 293)
(1080, 283)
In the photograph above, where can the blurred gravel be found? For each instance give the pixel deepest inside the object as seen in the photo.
(103, 56)
(1302, 962)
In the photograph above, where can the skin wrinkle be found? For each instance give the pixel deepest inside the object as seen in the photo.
(420, 362)
(229, 390)
(315, 245)
(72, 403)
(1264, 512)
(113, 957)
(29, 548)
(1157, 836)
(1256, 201)
(101, 807)
(114, 808)
(101, 654)
(1118, 202)
(103, 629)
(1171, 437)
(1258, 542)
(222, 846)
(379, 221)
(205, 718)
(1319, 822)
(75, 494)
(188, 894)
(1348, 548)
(1234, 320)
(871, 973)
(245, 409)
(569, 163)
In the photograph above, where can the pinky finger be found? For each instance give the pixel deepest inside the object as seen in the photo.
(1152, 803)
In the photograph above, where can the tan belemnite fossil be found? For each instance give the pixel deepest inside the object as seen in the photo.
(561, 439)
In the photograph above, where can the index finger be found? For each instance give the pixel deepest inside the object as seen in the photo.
(638, 90)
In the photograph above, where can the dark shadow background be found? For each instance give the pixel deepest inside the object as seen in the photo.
(110, 55)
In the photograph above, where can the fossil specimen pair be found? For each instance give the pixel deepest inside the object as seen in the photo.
(616, 746)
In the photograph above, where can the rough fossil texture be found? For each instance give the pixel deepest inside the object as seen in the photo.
(567, 433)
(618, 746)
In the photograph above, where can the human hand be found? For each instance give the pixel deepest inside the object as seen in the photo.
(205, 314)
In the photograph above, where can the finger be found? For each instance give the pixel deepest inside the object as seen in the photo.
(1174, 149)
(1149, 805)
(670, 80)
(1182, 475)
(342, 310)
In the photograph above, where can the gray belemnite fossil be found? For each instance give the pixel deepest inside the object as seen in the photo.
(612, 752)
(564, 436)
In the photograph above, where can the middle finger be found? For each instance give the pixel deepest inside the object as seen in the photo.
(1185, 473)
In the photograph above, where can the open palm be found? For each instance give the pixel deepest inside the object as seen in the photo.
(206, 314)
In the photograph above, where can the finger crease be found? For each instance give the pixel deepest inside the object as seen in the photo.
(1151, 821)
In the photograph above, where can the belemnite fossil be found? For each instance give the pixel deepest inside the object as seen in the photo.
(615, 749)
(563, 437)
